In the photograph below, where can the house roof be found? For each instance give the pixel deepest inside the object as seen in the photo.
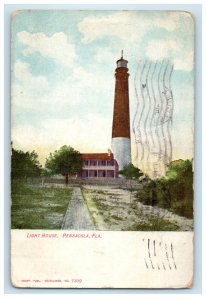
(102, 156)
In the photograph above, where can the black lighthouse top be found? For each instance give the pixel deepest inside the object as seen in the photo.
(122, 63)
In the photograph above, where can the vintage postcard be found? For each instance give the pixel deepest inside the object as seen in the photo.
(102, 149)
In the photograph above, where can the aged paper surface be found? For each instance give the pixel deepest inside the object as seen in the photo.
(102, 149)
(88, 259)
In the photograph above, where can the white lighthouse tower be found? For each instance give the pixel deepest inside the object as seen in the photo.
(121, 143)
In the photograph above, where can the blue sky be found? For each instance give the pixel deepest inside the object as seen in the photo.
(63, 65)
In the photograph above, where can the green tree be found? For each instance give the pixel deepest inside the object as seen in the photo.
(179, 184)
(24, 164)
(131, 172)
(174, 191)
(65, 161)
(46, 173)
(178, 169)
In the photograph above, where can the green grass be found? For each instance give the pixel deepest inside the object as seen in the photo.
(98, 203)
(96, 207)
(101, 206)
(153, 224)
(38, 207)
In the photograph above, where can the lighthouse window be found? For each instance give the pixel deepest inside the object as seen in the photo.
(122, 63)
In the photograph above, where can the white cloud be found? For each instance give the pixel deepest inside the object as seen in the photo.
(103, 55)
(34, 92)
(124, 25)
(130, 27)
(56, 47)
(84, 78)
(160, 49)
(185, 62)
(85, 129)
(90, 134)
(25, 85)
(22, 72)
(169, 48)
(86, 91)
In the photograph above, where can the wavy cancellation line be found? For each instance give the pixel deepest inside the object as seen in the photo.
(153, 116)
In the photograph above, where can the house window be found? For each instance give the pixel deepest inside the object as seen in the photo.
(110, 162)
(92, 173)
(86, 162)
(110, 173)
(102, 173)
(93, 162)
(102, 163)
(85, 173)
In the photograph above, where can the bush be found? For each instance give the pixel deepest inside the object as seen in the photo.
(174, 191)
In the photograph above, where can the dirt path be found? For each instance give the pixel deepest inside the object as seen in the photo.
(77, 215)
(117, 209)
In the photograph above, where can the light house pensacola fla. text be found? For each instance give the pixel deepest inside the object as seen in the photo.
(121, 143)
